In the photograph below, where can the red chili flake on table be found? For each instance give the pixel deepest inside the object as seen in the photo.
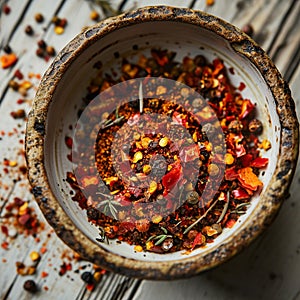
(6, 9)
(116, 202)
(8, 60)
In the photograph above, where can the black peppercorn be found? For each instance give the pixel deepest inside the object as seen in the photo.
(7, 49)
(92, 213)
(87, 277)
(39, 52)
(30, 286)
(42, 44)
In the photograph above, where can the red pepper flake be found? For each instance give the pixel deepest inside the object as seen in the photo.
(241, 86)
(18, 74)
(5, 245)
(259, 162)
(6, 9)
(199, 240)
(230, 223)
(69, 142)
(4, 230)
(247, 108)
(44, 274)
(240, 194)
(170, 179)
(8, 60)
(248, 179)
(90, 287)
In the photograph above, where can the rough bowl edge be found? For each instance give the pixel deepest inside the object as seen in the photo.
(269, 203)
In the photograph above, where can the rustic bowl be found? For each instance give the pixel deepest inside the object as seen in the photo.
(60, 94)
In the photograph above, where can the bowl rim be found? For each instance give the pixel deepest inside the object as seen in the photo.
(270, 201)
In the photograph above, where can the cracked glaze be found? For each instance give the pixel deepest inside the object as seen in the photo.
(269, 202)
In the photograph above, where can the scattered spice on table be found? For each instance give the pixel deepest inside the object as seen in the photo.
(116, 206)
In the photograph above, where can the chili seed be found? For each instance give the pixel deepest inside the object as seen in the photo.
(229, 159)
(18, 114)
(30, 286)
(137, 156)
(255, 126)
(39, 17)
(94, 15)
(146, 169)
(87, 277)
(28, 30)
(163, 142)
(59, 30)
(50, 50)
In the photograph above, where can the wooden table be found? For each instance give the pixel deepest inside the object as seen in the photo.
(268, 269)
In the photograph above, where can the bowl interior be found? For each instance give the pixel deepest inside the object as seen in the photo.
(130, 42)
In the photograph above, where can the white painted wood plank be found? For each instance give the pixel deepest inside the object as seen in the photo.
(130, 4)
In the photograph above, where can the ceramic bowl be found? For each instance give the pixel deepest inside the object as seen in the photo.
(60, 94)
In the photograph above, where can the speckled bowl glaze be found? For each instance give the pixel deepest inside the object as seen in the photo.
(60, 94)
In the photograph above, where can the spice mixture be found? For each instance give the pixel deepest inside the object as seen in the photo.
(140, 186)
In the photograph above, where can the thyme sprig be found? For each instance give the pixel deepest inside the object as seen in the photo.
(160, 238)
(109, 205)
(201, 217)
(105, 5)
(238, 210)
(225, 208)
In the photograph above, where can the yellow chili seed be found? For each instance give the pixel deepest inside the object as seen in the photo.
(94, 15)
(156, 219)
(149, 245)
(152, 187)
(97, 276)
(163, 142)
(161, 90)
(138, 248)
(12, 163)
(136, 136)
(137, 157)
(31, 270)
(59, 30)
(34, 256)
(146, 169)
(266, 145)
(23, 208)
(229, 159)
(145, 142)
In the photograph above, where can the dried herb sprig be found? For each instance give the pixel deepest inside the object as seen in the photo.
(108, 10)
(201, 217)
(109, 205)
(225, 208)
(160, 238)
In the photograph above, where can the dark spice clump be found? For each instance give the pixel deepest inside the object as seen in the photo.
(30, 286)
